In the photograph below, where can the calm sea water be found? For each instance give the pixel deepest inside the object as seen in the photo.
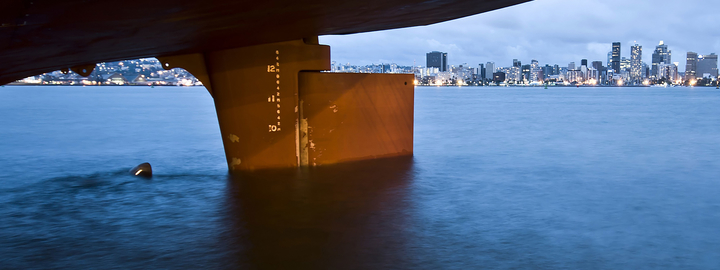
(501, 178)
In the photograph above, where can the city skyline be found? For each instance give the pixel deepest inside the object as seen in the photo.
(545, 30)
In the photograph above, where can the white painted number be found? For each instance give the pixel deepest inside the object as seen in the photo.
(275, 98)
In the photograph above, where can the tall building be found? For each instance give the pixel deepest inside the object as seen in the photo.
(608, 64)
(489, 70)
(535, 71)
(517, 63)
(660, 55)
(615, 60)
(636, 62)
(667, 71)
(481, 72)
(691, 66)
(624, 65)
(549, 70)
(584, 68)
(571, 66)
(707, 65)
(597, 65)
(526, 72)
(437, 60)
(512, 74)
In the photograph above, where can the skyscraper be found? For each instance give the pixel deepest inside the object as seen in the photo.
(624, 65)
(535, 71)
(598, 66)
(437, 60)
(481, 71)
(615, 61)
(707, 64)
(661, 55)
(489, 70)
(636, 62)
(517, 63)
(691, 66)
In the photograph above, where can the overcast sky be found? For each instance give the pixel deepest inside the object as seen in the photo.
(550, 31)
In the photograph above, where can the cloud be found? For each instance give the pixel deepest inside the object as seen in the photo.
(551, 31)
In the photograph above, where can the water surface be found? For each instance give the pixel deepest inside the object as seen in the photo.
(501, 178)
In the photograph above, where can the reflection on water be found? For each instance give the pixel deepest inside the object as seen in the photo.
(339, 216)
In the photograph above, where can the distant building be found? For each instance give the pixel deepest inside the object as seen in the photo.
(660, 55)
(608, 64)
(526, 72)
(625, 64)
(562, 73)
(691, 66)
(600, 69)
(140, 80)
(636, 63)
(498, 77)
(481, 71)
(536, 73)
(513, 74)
(437, 60)
(115, 78)
(571, 66)
(548, 71)
(489, 70)
(574, 76)
(584, 69)
(707, 66)
(615, 60)
(668, 71)
(592, 75)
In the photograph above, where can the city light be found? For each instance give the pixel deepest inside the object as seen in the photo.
(149, 71)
